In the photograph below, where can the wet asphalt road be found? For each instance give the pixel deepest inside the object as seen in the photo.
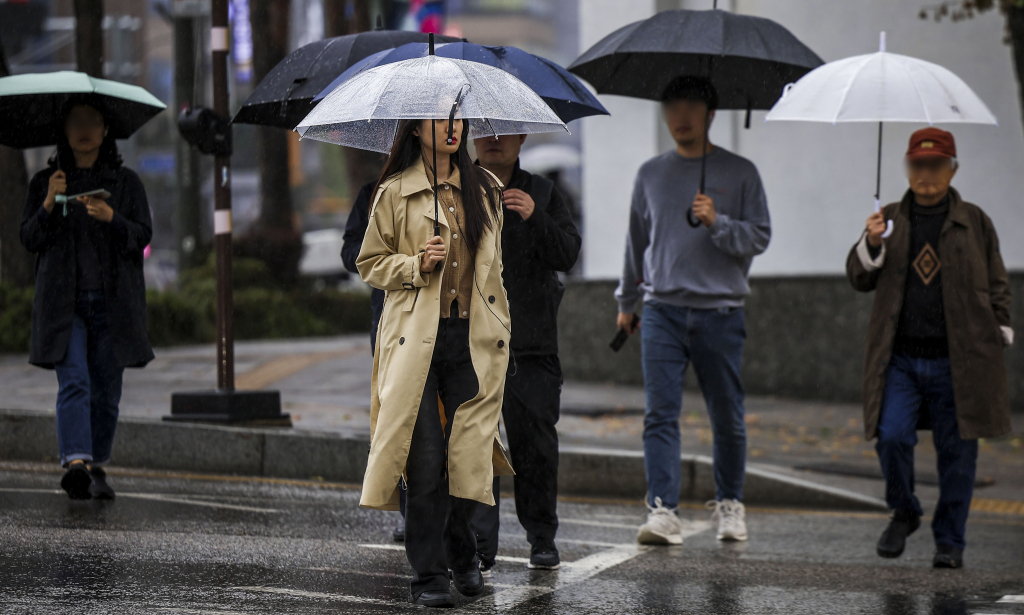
(221, 545)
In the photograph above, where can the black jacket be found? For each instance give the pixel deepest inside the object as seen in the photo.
(352, 242)
(533, 251)
(120, 243)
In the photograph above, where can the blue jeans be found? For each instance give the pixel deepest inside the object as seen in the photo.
(90, 385)
(925, 385)
(713, 339)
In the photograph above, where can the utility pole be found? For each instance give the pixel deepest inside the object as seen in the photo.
(89, 37)
(210, 131)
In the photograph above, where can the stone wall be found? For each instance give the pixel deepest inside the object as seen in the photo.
(805, 338)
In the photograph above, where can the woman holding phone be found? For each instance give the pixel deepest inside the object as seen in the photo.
(444, 334)
(89, 312)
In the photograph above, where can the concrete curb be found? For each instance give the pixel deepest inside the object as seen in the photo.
(591, 472)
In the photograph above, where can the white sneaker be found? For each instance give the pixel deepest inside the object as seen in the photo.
(662, 527)
(732, 523)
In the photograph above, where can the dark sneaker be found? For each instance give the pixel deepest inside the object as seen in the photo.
(435, 598)
(894, 538)
(399, 533)
(469, 583)
(76, 482)
(544, 557)
(486, 569)
(99, 488)
(947, 556)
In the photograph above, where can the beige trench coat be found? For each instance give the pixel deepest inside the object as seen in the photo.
(401, 221)
(976, 300)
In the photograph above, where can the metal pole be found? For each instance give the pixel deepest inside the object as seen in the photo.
(222, 203)
(878, 169)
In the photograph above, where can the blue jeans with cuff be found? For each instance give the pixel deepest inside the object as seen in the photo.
(89, 376)
(912, 386)
(713, 339)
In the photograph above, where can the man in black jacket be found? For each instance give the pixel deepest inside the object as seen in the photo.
(538, 240)
(352, 241)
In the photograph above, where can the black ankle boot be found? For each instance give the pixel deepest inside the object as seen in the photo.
(99, 488)
(894, 538)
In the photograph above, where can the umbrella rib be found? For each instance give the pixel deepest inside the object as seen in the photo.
(917, 90)
(849, 86)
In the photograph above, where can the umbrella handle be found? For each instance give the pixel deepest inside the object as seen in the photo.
(888, 223)
(692, 219)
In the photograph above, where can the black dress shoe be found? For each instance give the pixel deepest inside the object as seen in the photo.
(544, 558)
(434, 598)
(76, 482)
(894, 538)
(469, 583)
(399, 533)
(99, 488)
(947, 556)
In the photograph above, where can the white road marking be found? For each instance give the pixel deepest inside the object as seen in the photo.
(593, 543)
(1011, 599)
(367, 573)
(305, 594)
(689, 527)
(159, 497)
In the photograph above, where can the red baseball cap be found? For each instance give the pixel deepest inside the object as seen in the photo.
(931, 143)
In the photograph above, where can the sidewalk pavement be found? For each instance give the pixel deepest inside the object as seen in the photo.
(324, 384)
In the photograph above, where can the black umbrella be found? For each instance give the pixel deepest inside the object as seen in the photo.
(285, 95)
(748, 59)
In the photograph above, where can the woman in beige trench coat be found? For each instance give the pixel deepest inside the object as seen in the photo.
(444, 333)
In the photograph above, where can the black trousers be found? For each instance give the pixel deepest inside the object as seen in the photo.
(437, 525)
(530, 409)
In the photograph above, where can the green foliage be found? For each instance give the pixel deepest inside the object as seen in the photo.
(15, 317)
(264, 309)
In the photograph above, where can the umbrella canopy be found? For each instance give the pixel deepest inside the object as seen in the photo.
(753, 57)
(285, 95)
(881, 87)
(364, 111)
(559, 88)
(31, 105)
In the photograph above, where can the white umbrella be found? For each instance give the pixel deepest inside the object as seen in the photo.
(880, 87)
(364, 111)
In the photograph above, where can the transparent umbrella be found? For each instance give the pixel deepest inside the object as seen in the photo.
(880, 87)
(364, 111)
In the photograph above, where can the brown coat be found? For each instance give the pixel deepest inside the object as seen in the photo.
(976, 300)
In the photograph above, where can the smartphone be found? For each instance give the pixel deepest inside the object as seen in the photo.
(622, 336)
(99, 193)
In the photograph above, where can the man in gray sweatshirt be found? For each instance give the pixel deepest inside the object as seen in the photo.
(693, 282)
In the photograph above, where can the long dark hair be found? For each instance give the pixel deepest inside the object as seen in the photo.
(64, 158)
(476, 183)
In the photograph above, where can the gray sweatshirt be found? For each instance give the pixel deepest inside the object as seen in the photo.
(704, 267)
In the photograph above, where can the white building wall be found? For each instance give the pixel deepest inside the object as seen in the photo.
(820, 178)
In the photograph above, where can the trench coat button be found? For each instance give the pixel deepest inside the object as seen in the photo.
(490, 299)
(455, 264)
(401, 341)
(451, 209)
(455, 236)
(501, 343)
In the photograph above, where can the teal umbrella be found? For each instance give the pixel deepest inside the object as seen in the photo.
(31, 105)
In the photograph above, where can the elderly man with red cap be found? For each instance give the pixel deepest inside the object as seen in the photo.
(934, 352)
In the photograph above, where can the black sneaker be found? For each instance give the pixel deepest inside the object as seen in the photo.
(99, 488)
(77, 481)
(434, 598)
(894, 538)
(399, 533)
(948, 556)
(469, 583)
(544, 557)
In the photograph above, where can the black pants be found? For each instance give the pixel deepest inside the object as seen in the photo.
(530, 410)
(437, 526)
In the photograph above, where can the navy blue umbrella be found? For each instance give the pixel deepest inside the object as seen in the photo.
(559, 88)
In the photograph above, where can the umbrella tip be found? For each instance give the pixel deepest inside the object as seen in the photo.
(881, 40)
(430, 43)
